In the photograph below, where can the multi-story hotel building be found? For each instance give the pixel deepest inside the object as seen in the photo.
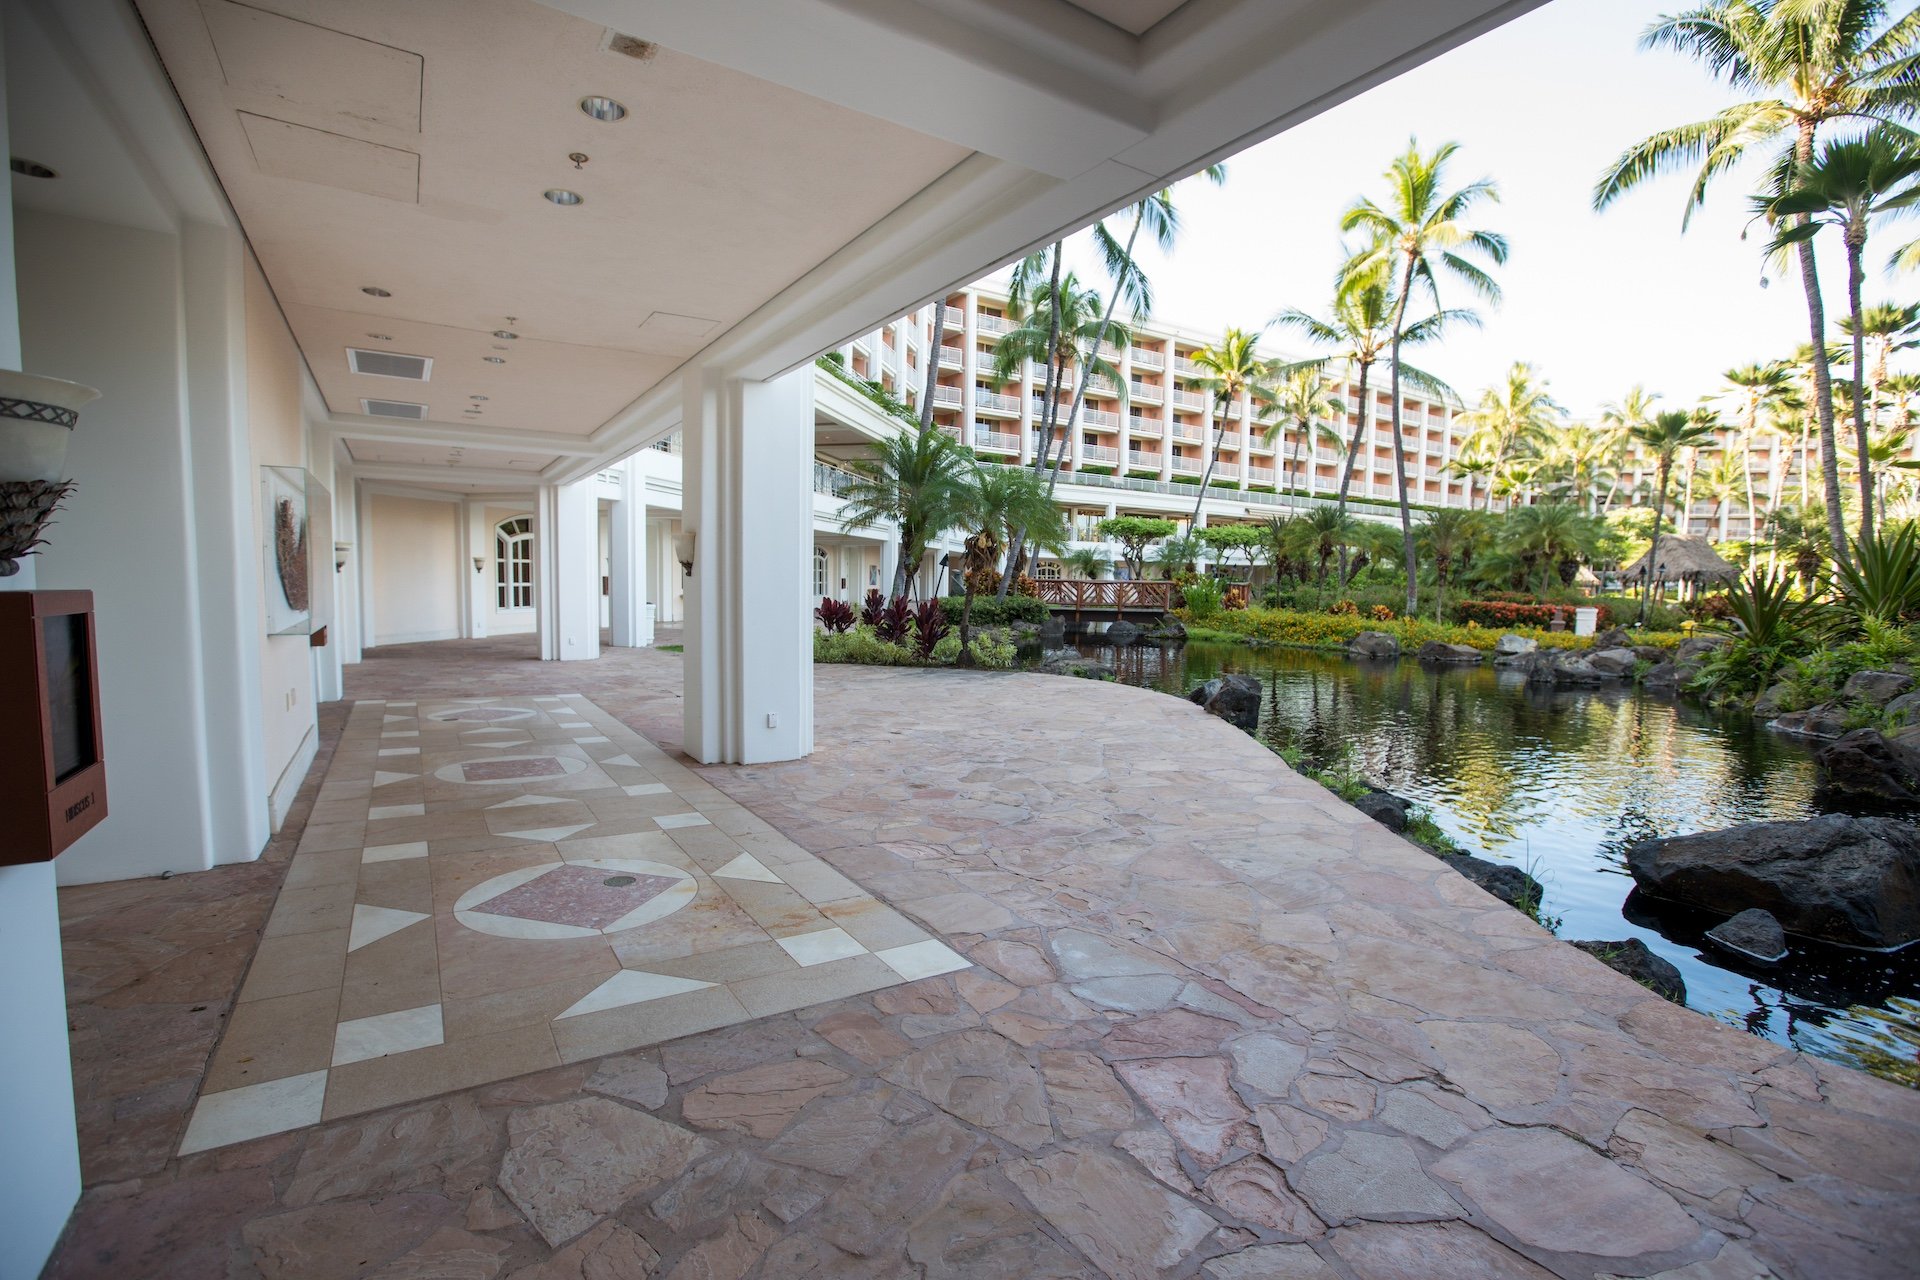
(1144, 451)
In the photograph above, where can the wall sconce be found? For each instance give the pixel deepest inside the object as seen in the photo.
(479, 564)
(37, 417)
(341, 551)
(683, 550)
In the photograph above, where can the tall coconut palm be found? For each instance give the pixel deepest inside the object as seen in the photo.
(1576, 459)
(1724, 482)
(1305, 399)
(994, 501)
(1758, 392)
(1805, 64)
(1664, 438)
(1511, 418)
(1849, 184)
(1230, 368)
(916, 480)
(1635, 409)
(1447, 534)
(1477, 469)
(1422, 232)
(1887, 328)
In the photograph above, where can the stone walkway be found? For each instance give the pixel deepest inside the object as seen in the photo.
(1214, 1024)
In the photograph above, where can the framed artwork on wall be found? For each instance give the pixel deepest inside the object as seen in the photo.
(288, 581)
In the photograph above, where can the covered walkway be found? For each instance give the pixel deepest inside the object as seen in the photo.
(1247, 1035)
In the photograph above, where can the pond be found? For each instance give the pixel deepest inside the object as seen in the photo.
(1560, 783)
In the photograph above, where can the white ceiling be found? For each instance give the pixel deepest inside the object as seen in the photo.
(406, 147)
(1135, 17)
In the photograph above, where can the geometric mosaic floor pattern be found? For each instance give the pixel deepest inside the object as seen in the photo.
(493, 886)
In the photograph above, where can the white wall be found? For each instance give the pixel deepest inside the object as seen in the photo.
(414, 569)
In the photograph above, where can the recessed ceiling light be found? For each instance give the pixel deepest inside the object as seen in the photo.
(507, 334)
(381, 337)
(603, 109)
(560, 196)
(494, 359)
(375, 291)
(29, 169)
(476, 397)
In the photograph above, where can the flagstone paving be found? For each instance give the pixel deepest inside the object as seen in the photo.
(1211, 1021)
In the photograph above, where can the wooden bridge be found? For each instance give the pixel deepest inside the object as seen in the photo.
(1118, 598)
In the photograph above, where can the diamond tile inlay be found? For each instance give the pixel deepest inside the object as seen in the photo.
(495, 770)
(586, 897)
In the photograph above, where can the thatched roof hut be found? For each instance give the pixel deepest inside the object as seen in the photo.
(1683, 559)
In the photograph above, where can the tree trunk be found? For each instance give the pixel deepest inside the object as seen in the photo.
(1213, 456)
(1822, 375)
(965, 657)
(1400, 452)
(1856, 246)
(933, 365)
(1353, 454)
(1653, 550)
(1746, 474)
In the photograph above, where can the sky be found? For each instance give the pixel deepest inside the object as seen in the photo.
(1596, 301)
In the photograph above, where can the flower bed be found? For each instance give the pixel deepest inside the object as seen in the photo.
(1509, 614)
(1330, 631)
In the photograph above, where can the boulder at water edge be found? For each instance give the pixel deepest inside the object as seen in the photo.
(1501, 879)
(1824, 721)
(1630, 956)
(1234, 698)
(1071, 662)
(1754, 934)
(1120, 633)
(1836, 878)
(1167, 631)
(1385, 808)
(1439, 651)
(1613, 638)
(1876, 688)
(1373, 644)
(1867, 763)
(1613, 662)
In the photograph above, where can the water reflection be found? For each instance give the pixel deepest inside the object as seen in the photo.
(1561, 782)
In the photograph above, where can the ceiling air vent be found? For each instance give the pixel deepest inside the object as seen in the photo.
(394, 409)
(389, 364)
(631, 46)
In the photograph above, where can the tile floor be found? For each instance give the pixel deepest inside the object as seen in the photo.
(489, 886)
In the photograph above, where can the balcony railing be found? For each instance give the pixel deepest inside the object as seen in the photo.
(1259, 475)
(992, 324)
(1182, 431)
(1189, 400)
(1226, 471)
(1148, 359)
(831, 480)
(1100, 418)
(949, 396)
(994, 402)
(1183, 365)
(995, 441)
(955, 318)
(1188, 466)
(1099, 453)
(1260, 444)
(1146, 426)
(1102, 386)
(1231, 439)
(1146, 392)
(1142, 460)
(1109, 352)
(950, 357)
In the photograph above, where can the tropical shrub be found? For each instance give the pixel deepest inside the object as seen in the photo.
(1344, 609)
(895, 623)
(929, 624)
(872, 606)
(834, 615)
(1202, 597)
(861, 646)
(1331, 631)
(1767, 623)
(1381, 613)
(1497, 613)
(996, 613)
(1883, 582)
(989, 651)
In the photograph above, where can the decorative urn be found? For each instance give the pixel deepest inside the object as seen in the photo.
(37, 417)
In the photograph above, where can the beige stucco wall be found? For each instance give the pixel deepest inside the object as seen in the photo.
(415, 544)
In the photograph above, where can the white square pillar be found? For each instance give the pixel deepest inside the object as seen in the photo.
(566, 574)
(748, 495)
(627, 562)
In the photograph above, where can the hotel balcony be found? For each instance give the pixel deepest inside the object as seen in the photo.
(1099, 454)
(1099, 385)
(995, 403)
(1186, 432)
(1188, 466)
(950, 357)
(1183, 365)
(1146, 392)
(950, 397)
(1260, 444)
(995, 325)
(1146, 359)
(1189, 400)
(1146, 426)
(995, 441)
(1224, 470)
(955, 318)
(1138, 460)
(1231, 439)
(1259, 475)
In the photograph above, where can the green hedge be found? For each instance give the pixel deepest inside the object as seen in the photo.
(1332, 631)
(989, 612)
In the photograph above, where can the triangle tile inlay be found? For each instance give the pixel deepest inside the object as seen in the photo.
(370, 924)
(548, 833)
(517, 801)
(631, 986)
(748, 867)
(382, 777)
(624, 759)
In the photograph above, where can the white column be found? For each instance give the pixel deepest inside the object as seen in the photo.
(476, 585)
(749, 503)
(889, 562)
(969, 363)
(627, 562)
(566, 577)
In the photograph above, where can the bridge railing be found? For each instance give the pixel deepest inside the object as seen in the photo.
(1118, 595)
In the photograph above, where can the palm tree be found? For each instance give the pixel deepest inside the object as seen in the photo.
(1086, 562)
(1724, 483)
(1635, 409)
(1476, 469)
(1304, 398)
(1551, 539)
(992, 503)
(1665, 437)
(1510, 419)
(1331, 531)
(1422, 230)
(1847, 185)
(1759, 391)
(1229, 368)
(1885, 452)
(917, 480)
(1575, 460)
(1447, 534)
(1887, 328)
(1807, 63)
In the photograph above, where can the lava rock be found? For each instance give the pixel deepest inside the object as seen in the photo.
(1876, 688)
(1167, 631)
(1564, 668)
(1692, 654)
(1774, 700)
(1824, 721)
(1630, 956)
(1511, 645)
(1071, 662)
(1905, 709)
(1440, 651)
(1613, 638)
(1501, 879)
(1650, 653)
(1753, 933)
(1385, 808)
(1613, 662)
(1373, 644)
(1835, 878)
(1663, 676)
(1121, 633)
(1234, 698)
(1866, 762)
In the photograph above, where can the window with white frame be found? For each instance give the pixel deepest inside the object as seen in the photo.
(513, 563)
(819, 571)
(1048, 571)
